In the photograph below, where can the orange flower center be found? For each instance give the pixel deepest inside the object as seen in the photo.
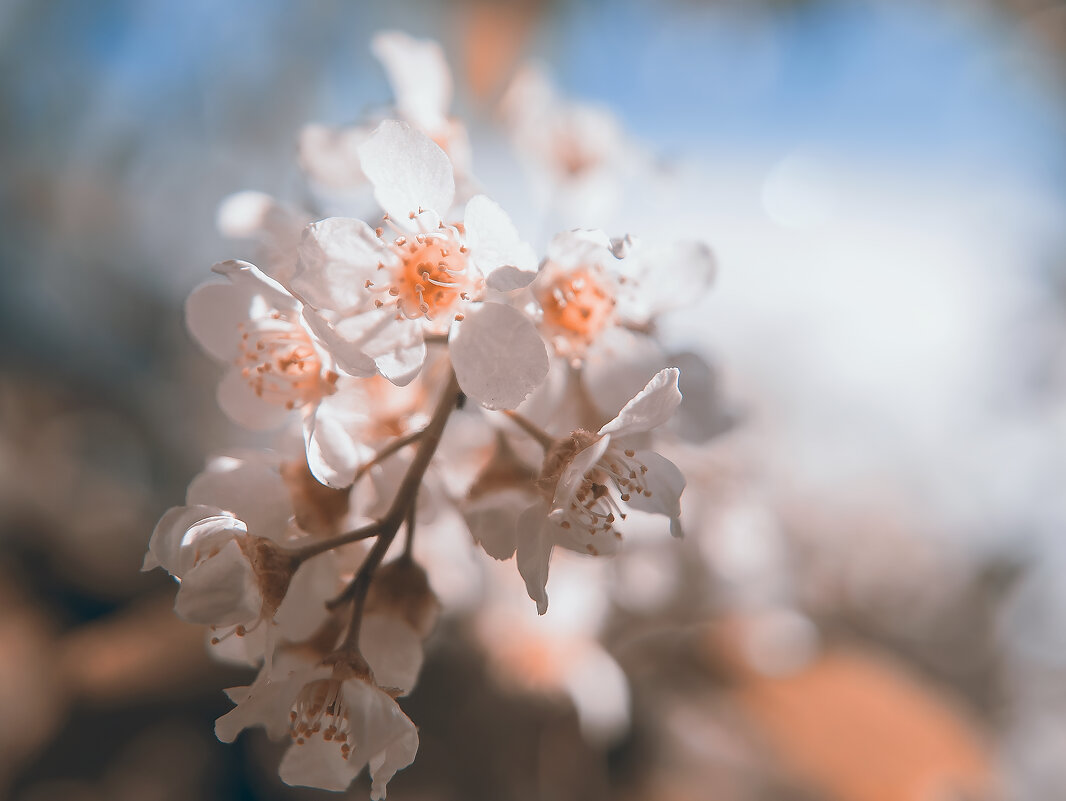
(280, 363)
(577, 306)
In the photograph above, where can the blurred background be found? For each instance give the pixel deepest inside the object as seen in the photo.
(871, 602)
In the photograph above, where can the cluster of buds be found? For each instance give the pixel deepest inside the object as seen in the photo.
(362, 345)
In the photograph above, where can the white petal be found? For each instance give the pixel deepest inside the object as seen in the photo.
(508, 278)
(409, 172)
(649, 408)
(267, 703)
(330, 155)
(383, 766)
(499, 357)
(419, 76)
(665, 278)
(392, 649)
(495, 245)
(390, 736)
(534, 553)
(618, 364)
(332, 453)
(348, 355)
(165, 545)
(257, 215)
(214, 310)
(580, 247)
(493, 521)
(335, 259)
(318, 763)
(666, 483)
(600, 691)
(251, 489)
(303, 609)
(222, 590)
(240, 403)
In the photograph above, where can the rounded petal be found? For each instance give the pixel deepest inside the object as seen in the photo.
(499, 357)
(649, 408)
(665, 482)
(392, 649)
(493, 521)
(240, 403)
(494, 244)
(335, 259)
(303, 609)
(250, 489)
(419, 75)
(222, 590)
(318, 763)
(332, 452)
(165, 545)
(409, 172)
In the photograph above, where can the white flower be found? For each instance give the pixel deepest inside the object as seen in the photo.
(589, 480)
(379, 293)
(575, 142)
(278, 365)
(338, 719)
(591, 285)
(222, 546)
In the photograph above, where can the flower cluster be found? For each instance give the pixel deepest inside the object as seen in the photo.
(363, 345)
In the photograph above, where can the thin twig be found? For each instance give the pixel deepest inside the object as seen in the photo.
(396, 445)
(545, 439)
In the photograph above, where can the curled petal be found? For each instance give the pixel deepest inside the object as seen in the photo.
(649, 408)
(534, 553)
(665, 482)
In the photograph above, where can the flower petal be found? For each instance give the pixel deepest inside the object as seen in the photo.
(650, 407)
(164, 547)
(335, 259)
(330, 156)
(332, 453)
(240, 403)
(495, 246)
(419, 75)
(665, 482)
(534, 551)
(222, 590)
(499, 357)
(249, 488)
(392, 649)
(214, 310)
(409, 172)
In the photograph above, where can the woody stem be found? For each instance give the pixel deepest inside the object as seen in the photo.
(399, 510)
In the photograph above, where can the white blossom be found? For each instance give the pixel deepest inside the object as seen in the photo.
(589, 480)
(379, 292)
